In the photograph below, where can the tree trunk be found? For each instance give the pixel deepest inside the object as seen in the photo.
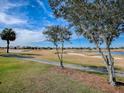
(59, 57)
(110, 68)
(108, 60)
(7, 46)
(111, 75)
(61, 64)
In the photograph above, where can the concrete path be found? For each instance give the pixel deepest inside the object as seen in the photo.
(74, 66)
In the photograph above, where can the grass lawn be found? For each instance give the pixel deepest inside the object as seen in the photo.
(29, 77)
(73, 59)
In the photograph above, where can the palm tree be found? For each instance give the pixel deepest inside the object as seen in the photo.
(9, 35)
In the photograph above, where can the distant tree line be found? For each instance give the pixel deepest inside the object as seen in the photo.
(78, 48)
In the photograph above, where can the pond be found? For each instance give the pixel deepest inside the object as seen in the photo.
(116, 53)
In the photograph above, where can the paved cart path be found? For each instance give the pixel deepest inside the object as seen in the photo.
(74, 66)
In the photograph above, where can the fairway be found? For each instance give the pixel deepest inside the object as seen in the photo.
(28, 77)
(20, 76)
(62, 46)
(81, 57)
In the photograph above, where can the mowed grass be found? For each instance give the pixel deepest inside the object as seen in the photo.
(75, 59)
(88, 60)
(82, 60)
(18, 76)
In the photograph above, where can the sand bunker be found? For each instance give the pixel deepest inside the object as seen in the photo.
(78, 54)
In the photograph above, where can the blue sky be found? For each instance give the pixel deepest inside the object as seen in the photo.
(29, 18)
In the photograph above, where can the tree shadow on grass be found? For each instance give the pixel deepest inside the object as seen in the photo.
(103, 70)
(15, 56)
(119, 83)
(25, 54)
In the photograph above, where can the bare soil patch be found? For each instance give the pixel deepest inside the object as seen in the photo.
(92, 80)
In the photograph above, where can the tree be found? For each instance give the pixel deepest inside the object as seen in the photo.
(9, 35)
(58, 35)
(96, 20)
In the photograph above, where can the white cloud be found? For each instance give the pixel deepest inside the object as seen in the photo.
(42, 5)
(50, 14)
(10, 20)
(6, 5)
(25, 37)
(6, 18)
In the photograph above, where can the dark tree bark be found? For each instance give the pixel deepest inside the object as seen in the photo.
(60, 57)
(62, 49)
(8, 46)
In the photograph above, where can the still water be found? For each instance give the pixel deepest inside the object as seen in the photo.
(117, 53)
